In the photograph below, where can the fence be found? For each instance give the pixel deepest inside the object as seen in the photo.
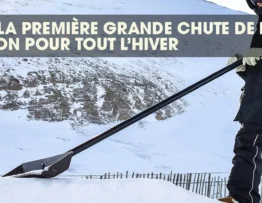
(212, 185)
(207, 184)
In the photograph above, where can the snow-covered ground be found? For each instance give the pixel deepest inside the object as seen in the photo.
(202, 137)
(199, 140)
(95, 191)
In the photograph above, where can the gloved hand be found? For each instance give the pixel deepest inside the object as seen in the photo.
(233, 59)
(250, 58)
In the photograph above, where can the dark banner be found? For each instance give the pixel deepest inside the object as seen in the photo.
(125, 35)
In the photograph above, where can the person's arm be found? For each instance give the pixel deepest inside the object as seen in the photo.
(240, 70)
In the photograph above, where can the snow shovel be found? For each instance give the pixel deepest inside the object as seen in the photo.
(53, 166)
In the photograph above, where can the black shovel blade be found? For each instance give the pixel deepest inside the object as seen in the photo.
(43, 168)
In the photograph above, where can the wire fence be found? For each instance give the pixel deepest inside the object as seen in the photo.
(212, 185)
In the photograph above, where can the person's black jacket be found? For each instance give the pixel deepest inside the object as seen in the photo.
(250, 110)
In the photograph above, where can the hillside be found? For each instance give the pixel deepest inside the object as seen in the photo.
(84, 91)
(234, 5)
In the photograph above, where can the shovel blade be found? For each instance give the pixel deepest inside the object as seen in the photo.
(43, 168)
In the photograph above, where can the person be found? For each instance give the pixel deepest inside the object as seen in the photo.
(245, 175)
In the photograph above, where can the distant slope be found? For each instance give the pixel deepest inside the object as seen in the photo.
(110, 7)
(234, 5)
(95, 191)
(84, 91)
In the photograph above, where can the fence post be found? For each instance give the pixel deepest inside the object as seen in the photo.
(209, 185)
(184, 181)
(194, 182)
(189, 181)
(218, 184)
(177, 179)
(200, 184)
(214, 188)
(174, 178)
(181, 177)
(203, 185)
(198, 175)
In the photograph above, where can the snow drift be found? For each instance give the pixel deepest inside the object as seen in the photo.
(95, 191)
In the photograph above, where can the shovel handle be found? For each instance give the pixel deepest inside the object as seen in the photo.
(152, 109)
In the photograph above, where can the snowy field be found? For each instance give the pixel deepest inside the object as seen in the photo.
(95, 191)
(200, 140)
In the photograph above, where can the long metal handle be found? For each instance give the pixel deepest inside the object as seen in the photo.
(152, 109)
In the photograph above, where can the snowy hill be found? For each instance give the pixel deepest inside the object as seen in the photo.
(111, 7)
(198, 140)
(234, 5)
(95, 191)
(84, 91)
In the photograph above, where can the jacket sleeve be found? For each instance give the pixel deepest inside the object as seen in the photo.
(242, 75)
(257, 37)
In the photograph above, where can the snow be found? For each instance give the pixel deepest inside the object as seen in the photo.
(95, 191)
(21, 175)
(100, 93)
(234, 4)
(200, 140)
(110, 7)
